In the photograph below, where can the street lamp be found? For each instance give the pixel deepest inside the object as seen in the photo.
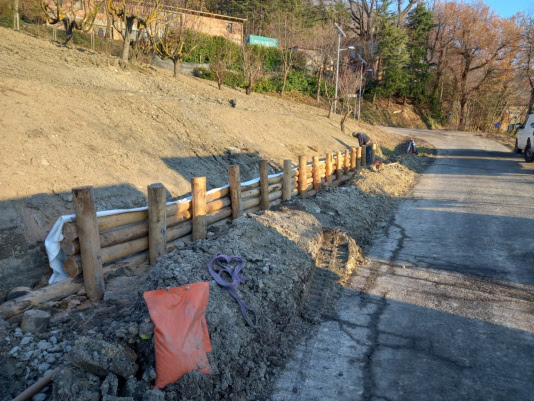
(340, 33)
(362, 61)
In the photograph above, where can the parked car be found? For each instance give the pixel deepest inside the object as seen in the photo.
(524, 141)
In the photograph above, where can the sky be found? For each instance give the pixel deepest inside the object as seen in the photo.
(508, 8)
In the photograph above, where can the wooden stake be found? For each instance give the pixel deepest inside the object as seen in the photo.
(346, 162)
(264, 184)
(287, 180)
(373, 152)
(198, 191)
(87, 227)
(359, 158)
(328, 168)
(353, 157)
(364, 156)
(234, 179)
(302, 175)
(157, 224)
(339, 165)
(316, 173)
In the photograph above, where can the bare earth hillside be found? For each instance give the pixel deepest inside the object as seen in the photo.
(71, 118)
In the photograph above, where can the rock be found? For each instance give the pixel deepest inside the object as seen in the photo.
(43, 367)
(18, 292)
(35, 321)
(39, 397)
(109, 385)
(44, 345)
(153, 395)
(53, 340)
(25, 340)
(14, 350)
(114, 398)
(101, 357)
(146, 330)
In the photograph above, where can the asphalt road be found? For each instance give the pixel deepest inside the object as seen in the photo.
(445, 308)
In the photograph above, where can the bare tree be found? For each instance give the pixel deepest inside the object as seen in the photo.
(348, 84)
(481, 46)
(173, 36)
(221, 58)
(253, 68)
(287, 27)
(132, 15)
(79, 15)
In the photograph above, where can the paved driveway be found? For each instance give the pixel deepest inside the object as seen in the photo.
(445, 308)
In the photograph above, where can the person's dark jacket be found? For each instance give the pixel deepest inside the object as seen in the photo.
(363, 139)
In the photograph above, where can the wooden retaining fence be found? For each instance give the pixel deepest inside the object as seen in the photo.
(95, 245)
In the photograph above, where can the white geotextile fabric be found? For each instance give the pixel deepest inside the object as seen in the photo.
(56, 256)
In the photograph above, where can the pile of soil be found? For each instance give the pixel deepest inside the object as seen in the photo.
(296, 257)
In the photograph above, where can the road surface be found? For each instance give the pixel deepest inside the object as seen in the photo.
(444, 310)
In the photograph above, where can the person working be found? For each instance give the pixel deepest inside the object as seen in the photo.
(364, 139)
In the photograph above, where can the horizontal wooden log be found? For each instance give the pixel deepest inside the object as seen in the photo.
(276, 202)
(213, 218)
(178, 218)
(250, 186)
(218, 204)
(251, 193)
(251, 202)
(275, 195)
(253, 209)
(217, 194)
(179, 231)
(275, 180)
(53, 292)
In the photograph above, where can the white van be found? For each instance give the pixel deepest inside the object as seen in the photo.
(525, 139)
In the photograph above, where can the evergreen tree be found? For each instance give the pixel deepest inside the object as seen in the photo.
(420, 24)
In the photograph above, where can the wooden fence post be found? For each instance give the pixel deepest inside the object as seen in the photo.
(264, 184)
(302, 175)
(353, 157)
(328, 168)
(87, 226)
(234, 179)
(364, 156)
(346, 162)
(373, 152)
(198, 192)
(287, 180)
(339, 165)
(359, 157)
(157, 222)
(316, 173)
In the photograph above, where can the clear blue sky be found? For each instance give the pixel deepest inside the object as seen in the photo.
(507, 8)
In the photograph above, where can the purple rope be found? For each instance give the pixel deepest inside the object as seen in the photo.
(223, 262)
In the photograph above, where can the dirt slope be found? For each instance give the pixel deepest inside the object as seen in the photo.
(71, 118)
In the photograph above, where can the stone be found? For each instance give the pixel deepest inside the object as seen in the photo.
(153, 395)
(14, 350)
(101, 357)
(39, 397)
(18, 292)
(110, 385)
(43, 367)
(35, 321)
(53, 340)
(26, 340)
(44, 345)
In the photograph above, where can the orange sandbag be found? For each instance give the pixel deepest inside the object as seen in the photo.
(181, 335)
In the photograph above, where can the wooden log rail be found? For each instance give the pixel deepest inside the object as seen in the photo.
(128, 237)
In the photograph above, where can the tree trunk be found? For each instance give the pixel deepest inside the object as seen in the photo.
(344, 118)
(176, 62)
(69, 26)
(461, 122)
(319, 78)
(249, 88)
(127, 39)
(286, 71)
